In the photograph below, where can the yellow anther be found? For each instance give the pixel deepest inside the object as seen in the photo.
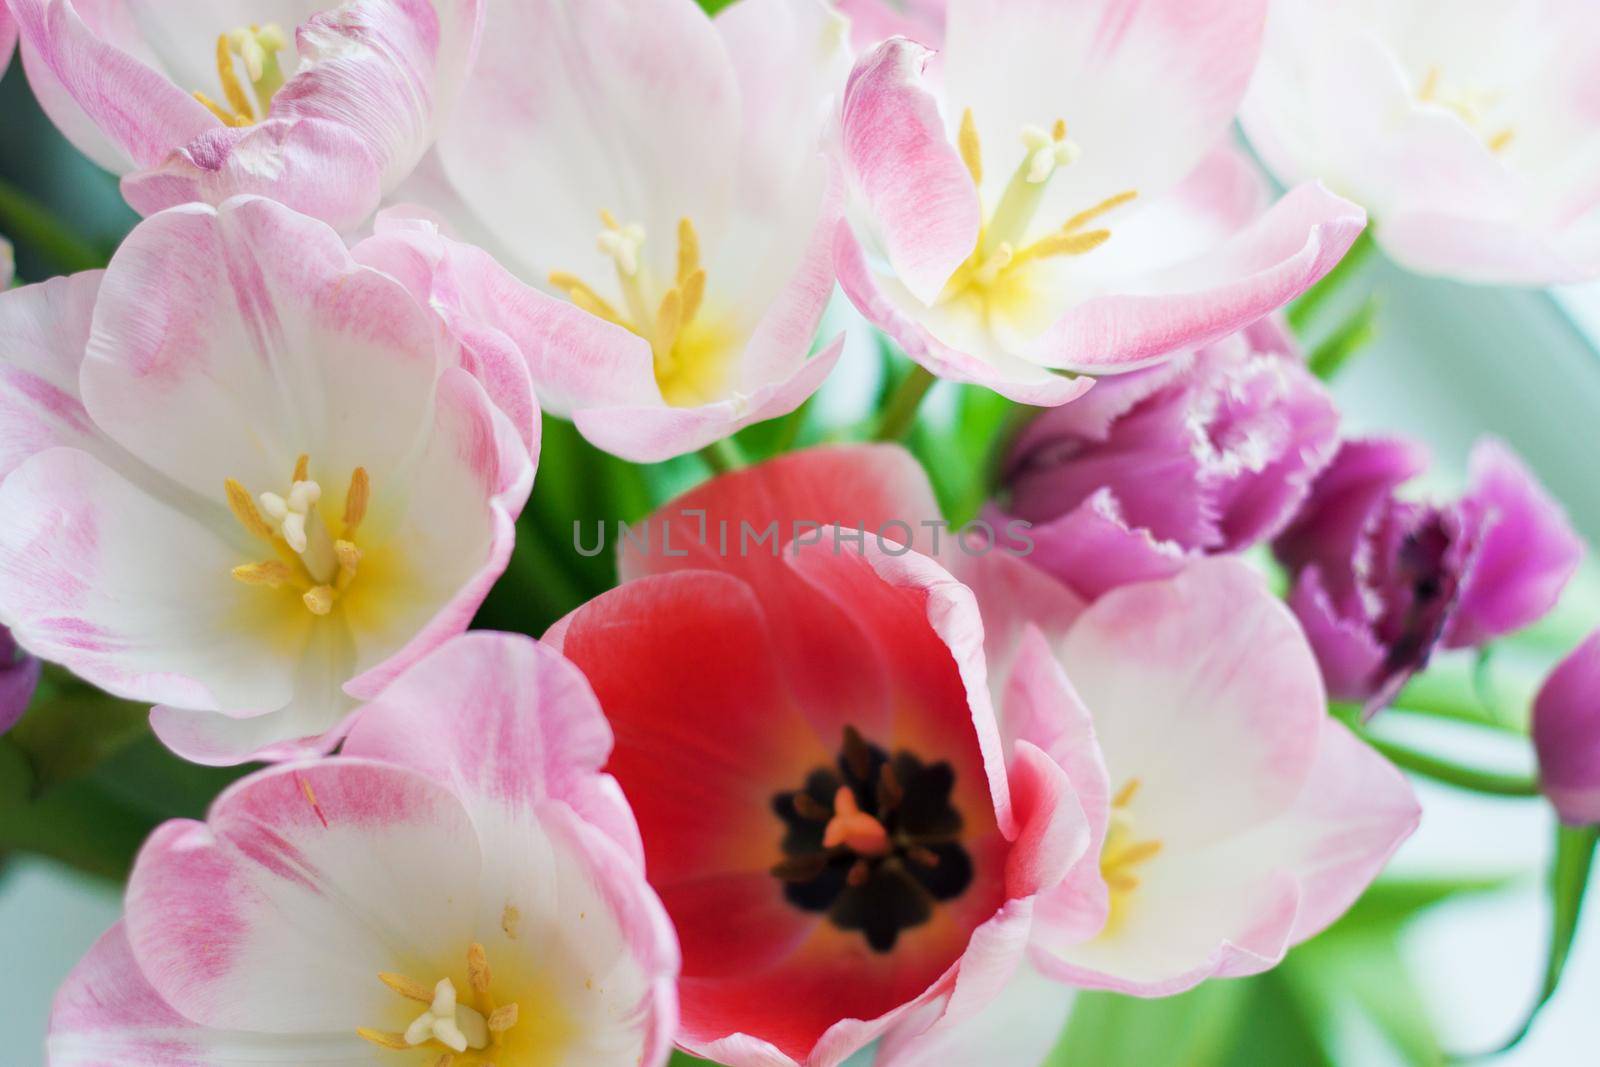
(1063, 244)
(688, 250)
(579, 293)
(274, 574)
(694, 294)
(1126, 794)
(1110, 203)
(302, 469)
(319, 599)
(1058, 132)
(503, 1019)
(384, 1039)
(407, 987)
(356, 499)
(669, 320)
(1500, 141)
(971, 150)
(227, 117)
(1133, 855)
(479, 977)
(243, 507)
(608, 220)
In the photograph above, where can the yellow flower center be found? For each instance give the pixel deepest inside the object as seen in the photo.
(690, 349)
(306, 555)
(1123, 852)
(254, 49)
(1471, 105)
(464, 1034)
(997, 277)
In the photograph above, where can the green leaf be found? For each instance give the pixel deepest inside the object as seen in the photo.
(683, 1059)
(1569, 880)
(1365, 968)
(1196, 1028)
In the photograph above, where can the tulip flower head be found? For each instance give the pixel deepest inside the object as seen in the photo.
(250, 498)
(423, 898)
(663, 173)
(322, 106)
(1056, 192)
(1468, 131)
(1210, 453)
(1380, 581)
(1566, 734)
(826, 809)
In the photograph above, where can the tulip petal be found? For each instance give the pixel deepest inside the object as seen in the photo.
(136, 595)
(505, 722)
(1020, 1027)
(1145, 88)
(919, 197)
(251, 316)
(46, 327)
(279, 914)
(107, 1014)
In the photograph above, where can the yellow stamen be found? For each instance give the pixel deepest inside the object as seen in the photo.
(227, 117)
(1500, 141)
(669, 321)
(407, 987)
(503, 1019)
(688, 250)
(1058, 132)
(1126, 794)
(232, 88)
(1430, 85)
(1132, 855)
(608, 220)
(356, 500)
(579, 293)
(274, 574)
(971, 150)
(1110, 203)
(694, 294)
(1063, 244)
(384, 1039)
(244, 509)
(319, 599)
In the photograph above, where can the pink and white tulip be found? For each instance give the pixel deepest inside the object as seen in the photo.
(245, 479)
(323, 106)
(1566, 734)
(19, 676)
(8, 37)
(461, 885)
(1056, 192)
(1208, 454)
(1470, 131)
(826, 805)
(1232, 817)
(664, 172)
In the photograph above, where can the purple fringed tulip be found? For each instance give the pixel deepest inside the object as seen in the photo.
(19, 675)
(1566, 734)
(1380, 582)
(1210, 453)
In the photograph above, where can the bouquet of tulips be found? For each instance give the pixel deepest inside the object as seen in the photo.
(579, 533)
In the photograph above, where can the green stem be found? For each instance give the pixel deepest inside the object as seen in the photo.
(900, 413)
(1303, 311)
(1348, 338)
(28, 222)
(723, 456)
(1472, 779)
(1568, 884)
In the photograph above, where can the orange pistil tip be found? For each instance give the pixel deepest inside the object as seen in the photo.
(854, 828)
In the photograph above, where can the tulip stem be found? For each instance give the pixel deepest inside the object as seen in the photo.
(723, 456)
(1304, 310)
(1472, 779)
(900, 413)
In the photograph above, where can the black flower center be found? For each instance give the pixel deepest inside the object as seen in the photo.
(873, 841)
